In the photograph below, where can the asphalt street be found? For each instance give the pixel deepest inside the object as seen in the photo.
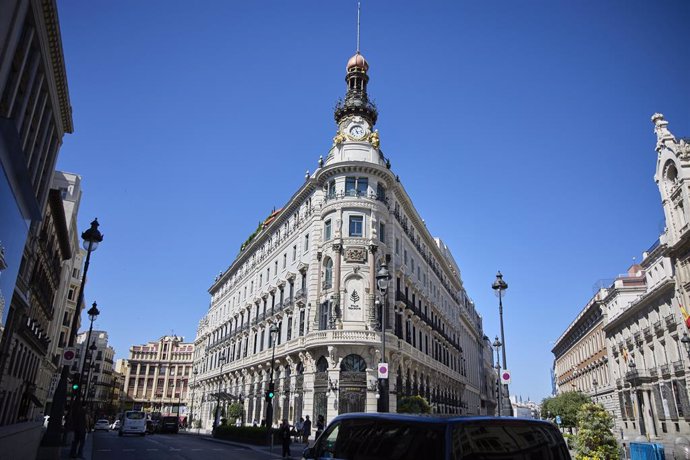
(110, 446)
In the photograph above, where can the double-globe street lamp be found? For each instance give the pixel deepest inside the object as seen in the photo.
(382, 280)
(500, 287)
(216, 419)
(90, 347)
(497, 345)
(53, 436)
(271, 388)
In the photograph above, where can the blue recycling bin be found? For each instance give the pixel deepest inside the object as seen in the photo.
(646, 451)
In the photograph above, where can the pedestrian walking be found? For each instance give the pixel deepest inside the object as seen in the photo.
(320, 425)
(79, 427)
(284, 435)
(306, 430)
(298, 429)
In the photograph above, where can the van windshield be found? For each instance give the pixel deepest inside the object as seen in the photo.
(382, 440)
(494, 441)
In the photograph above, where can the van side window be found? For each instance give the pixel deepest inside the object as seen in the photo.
(507, 440)
(382, 440)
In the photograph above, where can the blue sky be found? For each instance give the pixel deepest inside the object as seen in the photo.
(521, 130)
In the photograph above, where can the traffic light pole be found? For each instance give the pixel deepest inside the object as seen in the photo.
(270, 393)
(53, 435)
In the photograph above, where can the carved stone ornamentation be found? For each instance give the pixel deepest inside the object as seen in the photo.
(356, 254)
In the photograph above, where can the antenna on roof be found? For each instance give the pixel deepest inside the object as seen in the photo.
(358, 8)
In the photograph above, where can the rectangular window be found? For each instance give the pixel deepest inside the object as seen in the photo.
(70, 294)
(323, 316)
(275, 268)
(362, 186)
(261, 280)
(327, 230)
(306, 242)
(380, 192)
(284, 260)
(350, 186)
(289, 328)
(301, 323)
(405, 256)
(382, 232)
(294, 253)
(356, 225)
(397, 246)
(412, 264)
(331, 189)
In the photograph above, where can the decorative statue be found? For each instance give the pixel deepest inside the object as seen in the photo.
(374, 139)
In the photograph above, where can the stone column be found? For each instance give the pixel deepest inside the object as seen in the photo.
(372, 289)
(335, 319)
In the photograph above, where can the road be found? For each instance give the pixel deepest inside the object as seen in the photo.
(110, 446)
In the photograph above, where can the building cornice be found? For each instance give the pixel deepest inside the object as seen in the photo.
(631, 312)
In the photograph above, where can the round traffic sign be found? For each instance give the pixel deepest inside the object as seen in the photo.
(69, 355)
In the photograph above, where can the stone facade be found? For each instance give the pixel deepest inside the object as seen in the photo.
(157, 376)
(645, 318)
(310, 270)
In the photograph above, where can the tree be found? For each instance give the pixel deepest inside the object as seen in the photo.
(413, 405)
(235, 411)
(594, 439)
(566, 405)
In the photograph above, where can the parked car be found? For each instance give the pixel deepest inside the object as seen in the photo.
(410, 437)
(116, 425)
(101, 424)
(169, 424)
(133, 422)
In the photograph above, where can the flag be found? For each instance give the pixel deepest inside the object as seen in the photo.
(625, 354)
(686, 316)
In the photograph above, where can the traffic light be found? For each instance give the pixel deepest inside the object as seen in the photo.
(76, 384)
(270, 393)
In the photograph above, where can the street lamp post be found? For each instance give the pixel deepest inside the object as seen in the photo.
(53, 436)
(221, 359)
(382, 279)
(271, 389)
(191, 410)
(497, 345)
(500, 287)
(93, 314)
(685, 340)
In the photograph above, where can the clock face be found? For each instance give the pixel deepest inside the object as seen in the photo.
(357, 131)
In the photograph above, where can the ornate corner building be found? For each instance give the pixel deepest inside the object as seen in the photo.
(643, 315)
(309, 271)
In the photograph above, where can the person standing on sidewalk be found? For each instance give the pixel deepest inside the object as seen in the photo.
(320, 425)
(306, 430)
(79, 427)
(284, 435)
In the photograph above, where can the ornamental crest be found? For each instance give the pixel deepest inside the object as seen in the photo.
(356, 254)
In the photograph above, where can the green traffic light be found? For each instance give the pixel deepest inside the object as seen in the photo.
(270, 394)
(75, 386)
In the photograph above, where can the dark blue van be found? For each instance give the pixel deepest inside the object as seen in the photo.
(378, 436)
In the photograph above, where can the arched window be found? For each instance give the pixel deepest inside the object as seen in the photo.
(321, 365)
(353, 363)
(328, 273)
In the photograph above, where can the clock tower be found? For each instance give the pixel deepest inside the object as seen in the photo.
(356, 116)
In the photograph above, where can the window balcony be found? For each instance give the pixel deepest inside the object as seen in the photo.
(665, 369)
(678, 367)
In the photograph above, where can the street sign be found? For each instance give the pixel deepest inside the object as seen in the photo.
(505, 377)
(558, 419)
(383, 370)
(68, 356)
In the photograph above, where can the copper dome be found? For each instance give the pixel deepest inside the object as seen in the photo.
(358, 61)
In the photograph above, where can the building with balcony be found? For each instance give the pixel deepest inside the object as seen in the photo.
(96, 362)
(309, 272)
(157, 376)
(644, 316)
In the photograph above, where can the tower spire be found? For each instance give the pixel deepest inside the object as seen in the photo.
(358, 10)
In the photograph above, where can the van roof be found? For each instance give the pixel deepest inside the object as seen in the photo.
(437, 418)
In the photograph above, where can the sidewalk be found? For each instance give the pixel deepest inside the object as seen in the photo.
(296, 449)
(87, 454)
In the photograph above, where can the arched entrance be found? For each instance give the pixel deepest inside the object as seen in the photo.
(320, 388)
(353, 384)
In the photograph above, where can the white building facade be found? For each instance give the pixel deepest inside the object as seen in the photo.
(310, 270)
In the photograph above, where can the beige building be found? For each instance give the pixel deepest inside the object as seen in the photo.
(98, 361)
(309, 271)
(158, 375)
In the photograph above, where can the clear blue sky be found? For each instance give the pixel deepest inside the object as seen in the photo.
(520, 129)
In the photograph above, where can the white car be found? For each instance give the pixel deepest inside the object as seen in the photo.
(102, 424)
(116, 425)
